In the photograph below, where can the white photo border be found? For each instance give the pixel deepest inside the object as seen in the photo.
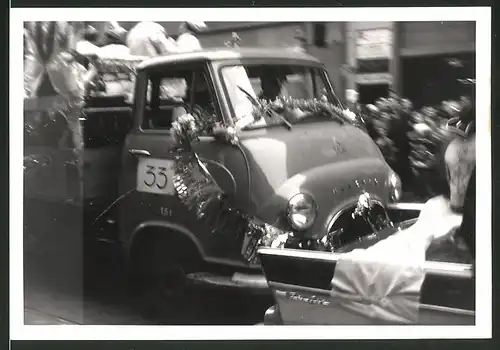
(483, 327)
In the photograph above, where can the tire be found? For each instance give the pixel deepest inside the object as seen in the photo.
(159, 272)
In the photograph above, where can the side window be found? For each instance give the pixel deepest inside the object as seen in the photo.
(173, 93)
(170, 89)
(174, 89)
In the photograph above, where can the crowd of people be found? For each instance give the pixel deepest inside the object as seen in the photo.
(433, 149)
(412, 139)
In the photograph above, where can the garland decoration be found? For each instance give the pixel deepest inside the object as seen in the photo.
(201, 195)
(297, 109)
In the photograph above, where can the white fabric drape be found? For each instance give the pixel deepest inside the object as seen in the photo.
(382, 283)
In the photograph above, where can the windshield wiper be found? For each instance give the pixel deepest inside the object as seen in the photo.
(268, 110)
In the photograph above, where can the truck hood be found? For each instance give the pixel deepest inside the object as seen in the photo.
(313, 158)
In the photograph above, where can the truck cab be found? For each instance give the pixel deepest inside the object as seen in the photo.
(302, 177)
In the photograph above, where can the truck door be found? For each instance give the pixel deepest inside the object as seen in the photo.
(148, 161)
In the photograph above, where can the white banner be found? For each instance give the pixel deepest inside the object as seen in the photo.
(374, 43)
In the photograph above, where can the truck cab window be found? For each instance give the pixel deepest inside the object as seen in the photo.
(180, 92)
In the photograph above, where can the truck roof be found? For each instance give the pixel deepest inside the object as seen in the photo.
(217, 54)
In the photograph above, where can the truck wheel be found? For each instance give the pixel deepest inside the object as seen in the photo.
(160, 270)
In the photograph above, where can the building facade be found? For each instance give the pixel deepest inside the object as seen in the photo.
(419, 60)
(431, 57)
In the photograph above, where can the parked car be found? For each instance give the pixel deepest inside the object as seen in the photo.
(338, 289)
(303, 177)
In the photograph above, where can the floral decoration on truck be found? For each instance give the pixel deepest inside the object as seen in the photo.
(199, 192)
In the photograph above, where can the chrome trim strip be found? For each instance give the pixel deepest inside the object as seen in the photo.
(445, 309)
(254, 281)
(139, 152)
(433, 267)
(284, 288)
(406, 206)
(447, 269)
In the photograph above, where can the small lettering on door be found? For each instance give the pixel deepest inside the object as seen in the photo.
(165, 211)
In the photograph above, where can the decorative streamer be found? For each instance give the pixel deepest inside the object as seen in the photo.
(201, 195)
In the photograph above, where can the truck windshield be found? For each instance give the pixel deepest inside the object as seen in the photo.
(250, 86)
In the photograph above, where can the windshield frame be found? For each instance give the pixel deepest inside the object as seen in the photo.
(308, 64)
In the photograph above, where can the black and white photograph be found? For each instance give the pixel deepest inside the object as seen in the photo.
(183, 170)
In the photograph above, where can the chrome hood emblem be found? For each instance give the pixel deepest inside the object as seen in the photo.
(358, 184)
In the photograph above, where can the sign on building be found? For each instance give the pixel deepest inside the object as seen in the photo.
(374, 79)
(373, 44)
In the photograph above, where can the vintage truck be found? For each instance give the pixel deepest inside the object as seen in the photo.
(303, 176)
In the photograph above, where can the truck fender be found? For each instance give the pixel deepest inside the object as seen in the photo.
(166, 226)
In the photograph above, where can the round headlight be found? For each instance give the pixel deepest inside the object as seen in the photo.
(395, 187)
(301, 211)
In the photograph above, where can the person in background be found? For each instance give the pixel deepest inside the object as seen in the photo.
(115, 37)
(49, 49)
(188, 40)
(150, 39)
(53, 73)
(234, 42)
(398, 129)
(458, 160)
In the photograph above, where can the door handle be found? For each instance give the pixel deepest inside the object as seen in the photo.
(139, 152)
